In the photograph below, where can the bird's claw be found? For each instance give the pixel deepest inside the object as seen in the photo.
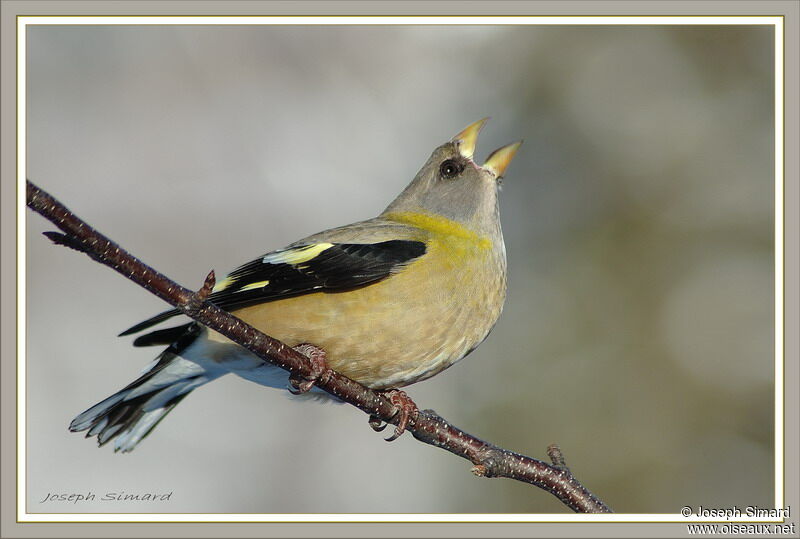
(405, 407)
(319, 369)
(376, 423)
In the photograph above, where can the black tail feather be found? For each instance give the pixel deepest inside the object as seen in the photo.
(150, 322)
(161, 336)
(130, 414)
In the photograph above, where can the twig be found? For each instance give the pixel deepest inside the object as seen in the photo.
(428, 427)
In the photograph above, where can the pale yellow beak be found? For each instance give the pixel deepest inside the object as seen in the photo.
(468, 138)
(498, 160)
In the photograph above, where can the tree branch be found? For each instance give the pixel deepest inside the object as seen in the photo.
(427, 426)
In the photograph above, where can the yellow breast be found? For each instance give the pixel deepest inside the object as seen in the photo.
(408, 326)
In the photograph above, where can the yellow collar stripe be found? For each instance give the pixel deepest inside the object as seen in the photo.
(440, 226)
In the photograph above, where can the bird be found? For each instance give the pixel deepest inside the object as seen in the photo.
(387, 302)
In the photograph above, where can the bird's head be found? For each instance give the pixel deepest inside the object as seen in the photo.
(453, 186)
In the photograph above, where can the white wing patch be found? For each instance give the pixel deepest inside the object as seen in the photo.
(223, 284)
(253, 286)
(296, 255)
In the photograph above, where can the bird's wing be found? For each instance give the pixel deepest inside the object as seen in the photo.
(306, 267)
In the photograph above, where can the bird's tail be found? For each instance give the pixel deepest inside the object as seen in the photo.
(130, 414)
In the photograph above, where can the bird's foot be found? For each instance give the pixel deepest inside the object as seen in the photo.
(405, 407)
(319, 369)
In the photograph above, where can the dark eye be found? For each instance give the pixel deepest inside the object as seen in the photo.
(450, 169)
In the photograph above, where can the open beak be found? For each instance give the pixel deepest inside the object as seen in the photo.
(498, 160)
(468, 138)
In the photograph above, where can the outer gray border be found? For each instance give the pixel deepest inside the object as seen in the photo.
(10, 9)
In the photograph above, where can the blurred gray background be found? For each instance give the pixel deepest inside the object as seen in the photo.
(638, 331)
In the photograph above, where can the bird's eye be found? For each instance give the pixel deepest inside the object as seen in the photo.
(450, 169)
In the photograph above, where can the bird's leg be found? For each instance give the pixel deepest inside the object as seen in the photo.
(405, 407)
(319, 369)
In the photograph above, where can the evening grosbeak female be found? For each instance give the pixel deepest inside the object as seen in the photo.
(387, 302)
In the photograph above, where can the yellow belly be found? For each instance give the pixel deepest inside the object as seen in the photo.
(400, 330)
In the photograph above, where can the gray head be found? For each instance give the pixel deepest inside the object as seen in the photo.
(453, 186)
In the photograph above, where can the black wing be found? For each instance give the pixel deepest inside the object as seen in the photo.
(302, 269)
